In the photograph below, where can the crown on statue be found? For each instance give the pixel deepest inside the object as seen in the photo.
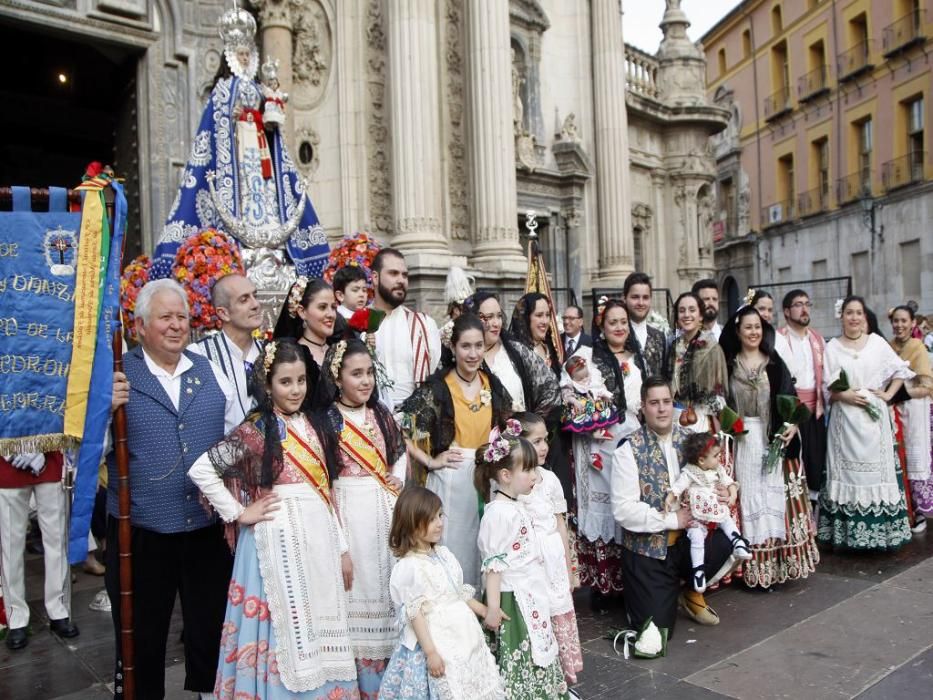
(270, 69)
(237, 28)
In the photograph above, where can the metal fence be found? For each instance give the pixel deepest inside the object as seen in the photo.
(823, 295)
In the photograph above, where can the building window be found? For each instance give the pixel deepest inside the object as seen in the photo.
(861, 274)
(818, 270)
(727, 198)
(821, 148)
(722, 61)
(638, 247)
(911, 270)
(746, 43)
(777, 23)
(786, 189)
(858, 32)
(865, 145)
(915, 137)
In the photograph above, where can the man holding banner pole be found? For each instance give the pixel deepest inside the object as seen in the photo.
(178, 404)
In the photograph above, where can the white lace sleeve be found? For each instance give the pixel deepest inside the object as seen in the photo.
(496, 535)
(205, 477)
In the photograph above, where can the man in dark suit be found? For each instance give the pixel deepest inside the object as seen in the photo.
(573, 336)
(649, 344)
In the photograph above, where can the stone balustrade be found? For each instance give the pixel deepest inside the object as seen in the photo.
(641, 72)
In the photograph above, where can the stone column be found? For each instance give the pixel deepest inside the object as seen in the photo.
(415, 125)
(492, 142)
(612, 162)
(275, 26)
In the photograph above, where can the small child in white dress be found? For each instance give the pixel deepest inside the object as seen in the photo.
(548, 509)
(273, 108)
(442, 652)
(588, 403)
(698, 478)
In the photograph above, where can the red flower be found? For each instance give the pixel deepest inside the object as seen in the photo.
(251, 606)
(738, 426)
(200, 261)
(235, 593)
(516, 546)
(524, 530)
(94, 169)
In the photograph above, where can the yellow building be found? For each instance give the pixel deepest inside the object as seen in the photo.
(825, 170)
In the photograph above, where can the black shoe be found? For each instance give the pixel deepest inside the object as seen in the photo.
(64, 628)
(16, 638)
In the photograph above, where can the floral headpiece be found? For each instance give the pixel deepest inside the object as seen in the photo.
(295, 294)
(268, 356)
(574, 362)
(337, 360)
(500, 442)
(749, 297)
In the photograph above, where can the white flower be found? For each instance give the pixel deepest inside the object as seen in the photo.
(838, 308)
(649, 641)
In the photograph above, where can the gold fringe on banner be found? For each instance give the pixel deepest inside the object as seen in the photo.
(52, 442)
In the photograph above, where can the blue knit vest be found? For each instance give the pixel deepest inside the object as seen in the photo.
(164, 442)
(653, 484)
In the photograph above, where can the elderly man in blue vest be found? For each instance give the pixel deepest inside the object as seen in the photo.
(656, 552)
(178, 405)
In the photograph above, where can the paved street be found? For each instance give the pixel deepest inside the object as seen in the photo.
(862, 626)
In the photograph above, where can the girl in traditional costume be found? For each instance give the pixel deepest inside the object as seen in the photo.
(286, 632)
(442, 654)
(444, 421)
(364, 447)
(531, 325)
(774, 504)
(518, 606)
(862, 504)
(914, 408)
(548, 510)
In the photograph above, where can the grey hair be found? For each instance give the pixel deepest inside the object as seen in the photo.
(150, 289)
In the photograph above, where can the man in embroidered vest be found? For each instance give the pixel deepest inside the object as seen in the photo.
(22, 476)
(234, 349)
(656, 552)
(178, 404)
(807, 349)
(651, 345)
(408, 343)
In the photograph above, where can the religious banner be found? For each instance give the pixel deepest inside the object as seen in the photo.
(38, 255)
(536, 280)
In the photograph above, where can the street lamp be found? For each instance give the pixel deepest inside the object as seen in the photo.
(868, 218)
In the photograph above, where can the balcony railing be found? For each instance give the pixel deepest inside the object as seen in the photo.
(903, 171)
(904, 33)
(812, 202)
(853, 186)
(778, 213)
(854, 61)
(813, 84)
(777, 104)
(641, 72)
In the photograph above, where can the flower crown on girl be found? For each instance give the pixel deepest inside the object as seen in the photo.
(501, 441)
(294, 295)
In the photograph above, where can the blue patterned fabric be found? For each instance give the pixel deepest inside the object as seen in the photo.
(406, 676)
(164, 443)
(248, 667)
(214, 151)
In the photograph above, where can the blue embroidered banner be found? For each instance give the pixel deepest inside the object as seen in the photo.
(37, 281)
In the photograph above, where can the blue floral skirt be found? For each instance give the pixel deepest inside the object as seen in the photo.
(406, 676)
(248, 668)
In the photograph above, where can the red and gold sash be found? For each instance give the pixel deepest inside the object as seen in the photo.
(420, 350)
(362, 450)
(306, 461)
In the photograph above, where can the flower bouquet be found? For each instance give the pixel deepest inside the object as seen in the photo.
(731, 423)
(842, 384)
(792, 411)
(366, 320)
(357, 250)
(135, 275)
(647, 642)
(200, 261)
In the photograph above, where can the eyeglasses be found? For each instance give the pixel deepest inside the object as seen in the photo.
(572, 318)
(802, 305)
(486, 318)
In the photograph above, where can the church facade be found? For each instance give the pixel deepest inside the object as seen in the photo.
(436, 124)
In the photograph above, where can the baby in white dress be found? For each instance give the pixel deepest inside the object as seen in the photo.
(698, 478)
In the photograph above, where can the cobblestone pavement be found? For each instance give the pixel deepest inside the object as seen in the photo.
(861, 626)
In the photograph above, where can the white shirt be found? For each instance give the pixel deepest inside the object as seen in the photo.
(802, 365)
(575, 340)
(716, 330)
(502, 367)
(344, 311)
(782, 348)
(641, 332)
(232, 361)
(628, 509)
(233, 414)
(394, 351)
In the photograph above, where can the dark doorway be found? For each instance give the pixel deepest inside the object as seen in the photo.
(68, 103)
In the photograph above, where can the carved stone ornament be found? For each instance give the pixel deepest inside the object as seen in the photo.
(569, 130)
(459, 211)
(312, 51)
(377, 145)
(525, 153)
